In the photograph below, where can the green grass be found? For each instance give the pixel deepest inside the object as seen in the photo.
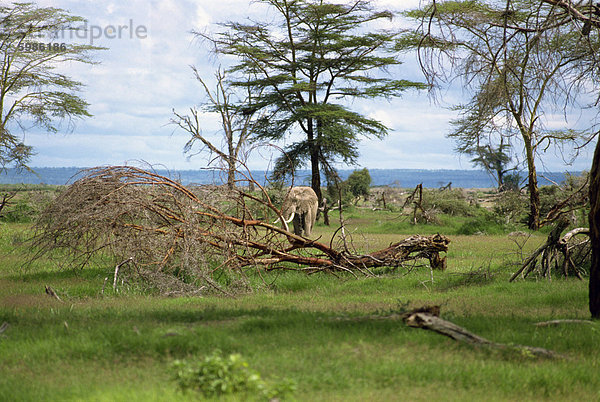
(324, 333)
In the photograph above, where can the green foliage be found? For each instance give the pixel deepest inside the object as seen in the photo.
(359, 182)
(26, 204)
(21, 212)
(549, 196)
(308, 55)
(215, 376)
(355, 186)
(512, 181)
(451, 202)
(510, 207)
(32, 90)
(482, 223)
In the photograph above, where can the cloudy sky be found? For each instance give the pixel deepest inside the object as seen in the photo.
(142, 77)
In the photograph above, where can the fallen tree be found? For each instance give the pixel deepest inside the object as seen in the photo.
(205, 236)
(560, 252)
(428, 317)
(422, 318)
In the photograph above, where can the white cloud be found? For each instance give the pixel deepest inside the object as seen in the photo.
(141, 79)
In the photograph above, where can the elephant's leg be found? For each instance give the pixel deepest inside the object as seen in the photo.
(298, 224)
(307, 224)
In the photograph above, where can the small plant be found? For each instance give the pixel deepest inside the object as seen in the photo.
(217, 375)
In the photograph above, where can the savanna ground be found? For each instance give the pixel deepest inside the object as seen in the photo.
(329, 335)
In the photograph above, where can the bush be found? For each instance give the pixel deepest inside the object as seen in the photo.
(20, 212)
(511, 182)
(333, 194)
(216, 376)
(483, 223)
(359, 183)
(451, 202)
(549, 197)
(26, 205)
(510, 207)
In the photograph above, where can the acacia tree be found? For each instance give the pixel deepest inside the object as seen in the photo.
(237, 119)
(311, 55)
(516, 60)
(489, 149)
(584, 17)
(493, 160)
(32, 91)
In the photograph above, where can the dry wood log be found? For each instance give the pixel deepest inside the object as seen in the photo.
(559, 322)
(411, 248)
(50, 292)
(416, 198)
(431, 322)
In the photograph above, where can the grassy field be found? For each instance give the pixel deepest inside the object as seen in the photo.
(330, 336)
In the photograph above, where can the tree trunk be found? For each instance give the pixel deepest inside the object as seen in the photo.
(326, 208)
(534, 192)
(314, 165)
(594, 220)
(231, 172)
(500, 175)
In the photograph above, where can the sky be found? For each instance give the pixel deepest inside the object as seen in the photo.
(145, 74)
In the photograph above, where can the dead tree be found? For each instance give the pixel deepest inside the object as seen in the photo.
(416, 199)
(169, 229)
(446, 187)
(557, 251)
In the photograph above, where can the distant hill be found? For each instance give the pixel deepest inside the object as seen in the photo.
(406, 178)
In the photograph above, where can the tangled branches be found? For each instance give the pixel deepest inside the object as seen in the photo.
(563, 253)
(206, 236)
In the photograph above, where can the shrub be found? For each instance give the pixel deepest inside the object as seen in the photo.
(510, 207)
(511, 182)
(26, 205)
(333, 194)
(20, 212)
(549, 197)
(451, 202)
(483, 223)
(359, 183)
(216, 376)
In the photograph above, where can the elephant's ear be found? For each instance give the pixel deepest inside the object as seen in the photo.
(307, 203)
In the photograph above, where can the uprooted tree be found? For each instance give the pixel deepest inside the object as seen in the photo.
(181, 239)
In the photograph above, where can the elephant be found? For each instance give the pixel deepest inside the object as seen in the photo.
(300, 205)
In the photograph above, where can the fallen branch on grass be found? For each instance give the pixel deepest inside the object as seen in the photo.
(195, 234)
(559, 322)
(427, 317)
(426, 320)
(50, 292)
